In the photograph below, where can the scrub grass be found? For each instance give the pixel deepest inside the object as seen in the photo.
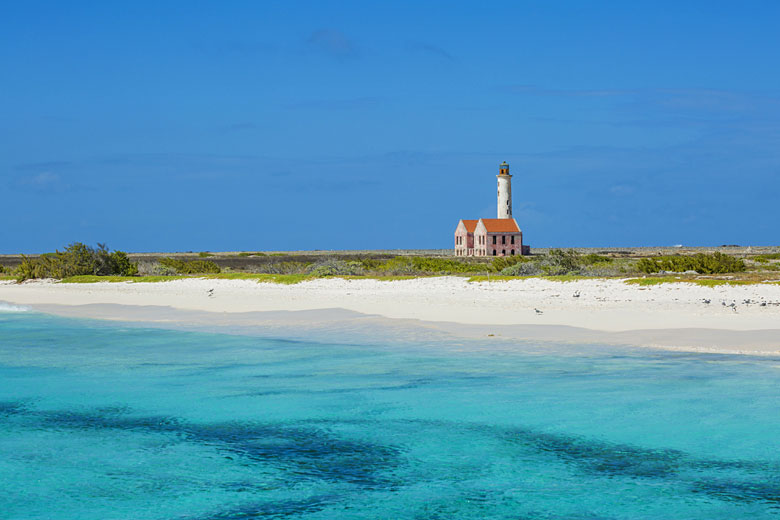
(88, 278)
(382, 278)
(273, 278)
(705, 282)
(766, 257)
(496, 278)
(570, 277)
(286, 279)
(556, 278)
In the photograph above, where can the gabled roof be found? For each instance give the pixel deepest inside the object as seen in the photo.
(471, 225)
(500, 225)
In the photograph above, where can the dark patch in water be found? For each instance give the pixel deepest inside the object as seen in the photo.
(327, 391)
(308, 452)
(622, 460)
(536, 515)
(602, 457)
(11, 408)
(271, 510)
(742, 465)
(739, 491)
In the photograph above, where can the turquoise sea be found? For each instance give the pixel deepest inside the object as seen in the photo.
(104, 420)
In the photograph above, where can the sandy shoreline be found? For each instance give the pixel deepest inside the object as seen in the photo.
(585, 311)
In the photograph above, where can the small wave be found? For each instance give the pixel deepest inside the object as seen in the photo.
(9, 307)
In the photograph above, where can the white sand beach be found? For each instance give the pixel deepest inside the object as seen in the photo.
(728, 319)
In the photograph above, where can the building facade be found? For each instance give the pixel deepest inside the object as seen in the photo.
(492, 236)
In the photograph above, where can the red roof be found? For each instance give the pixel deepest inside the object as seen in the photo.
(471, 225)
(500, 225)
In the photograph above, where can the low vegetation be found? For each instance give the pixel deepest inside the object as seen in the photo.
(79, 263)
(88, 278)
(191, 266)
(715, 263)
(77, 259)
(704, 282)
(764, 259)
(558, 262)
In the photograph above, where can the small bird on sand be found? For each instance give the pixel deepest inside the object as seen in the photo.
(706, 300)
(576, 294)
(211, 293)
(538, 311)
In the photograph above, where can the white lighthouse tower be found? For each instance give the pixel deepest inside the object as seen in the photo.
(504, 191)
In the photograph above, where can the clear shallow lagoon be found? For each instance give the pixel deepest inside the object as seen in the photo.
(105, 421)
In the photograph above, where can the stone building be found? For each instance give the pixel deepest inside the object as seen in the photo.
(492, 236)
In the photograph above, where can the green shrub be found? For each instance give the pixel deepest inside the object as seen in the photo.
(593, 259)
(76, 260)
(765, 258)
(336, 268)
(371, 264)
(286, 267)
(156, 269)
(119, 264)
(204, 254)
(715, 263)
(500, 263)
(558, 262)
(190, 267)
(531, 268)
(426, 265)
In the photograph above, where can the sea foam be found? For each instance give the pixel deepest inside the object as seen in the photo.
(9, 307)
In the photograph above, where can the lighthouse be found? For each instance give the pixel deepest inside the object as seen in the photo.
(504, 191)
(493, 236)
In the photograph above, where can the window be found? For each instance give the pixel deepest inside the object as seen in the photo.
(513, 252)
(503, 252)
(513, 239)
(494, 252)
(494, 239)
(503, 239)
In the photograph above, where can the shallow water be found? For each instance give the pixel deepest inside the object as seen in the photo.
(102, 421)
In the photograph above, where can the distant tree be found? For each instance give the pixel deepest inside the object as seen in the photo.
(77, 259)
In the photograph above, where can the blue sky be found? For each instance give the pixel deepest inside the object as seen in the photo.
(163, 126)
